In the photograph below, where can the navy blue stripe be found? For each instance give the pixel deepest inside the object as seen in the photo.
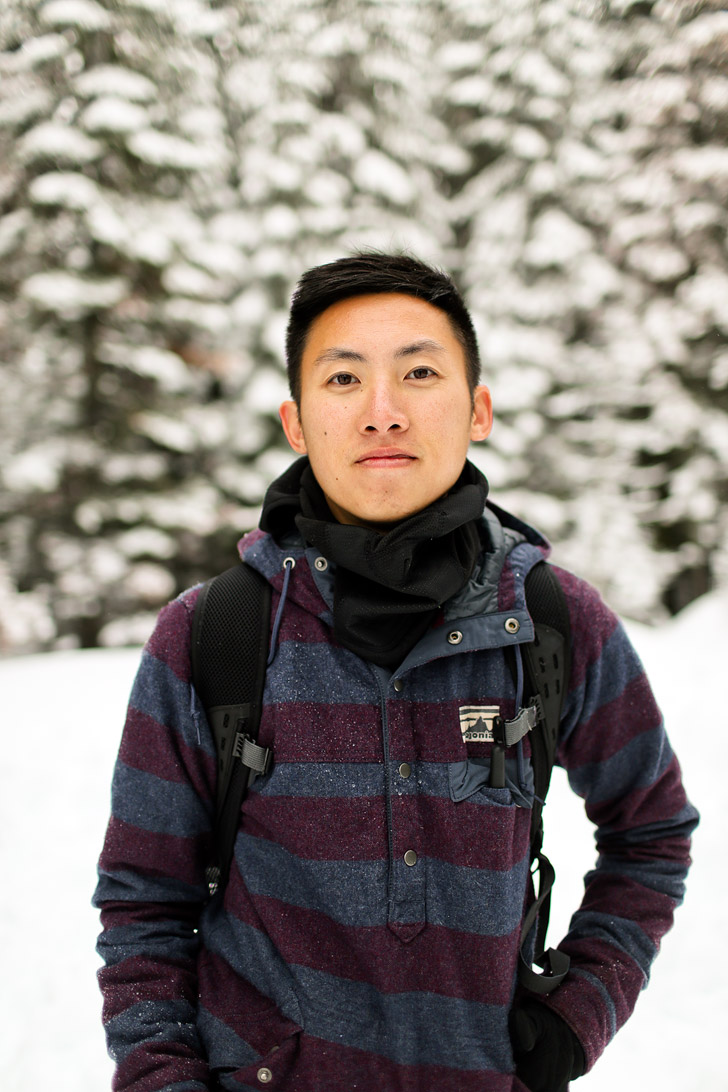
(466, 678)
(350, 780)
(325, 779)
(468, 900)
(165, 1021)
(126, 885)
(609, 676)
(472, 900)
(409, 1028)
(222, 1046)
(153, 940)
(679, 826)
(313, 672)
(605, 681)
(621, 933)
(162, 807)
(346, 891)
(252, 954)
(609, 1007)
(665, 877)
(160, 694)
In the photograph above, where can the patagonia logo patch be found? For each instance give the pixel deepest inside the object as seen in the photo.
(476, 722)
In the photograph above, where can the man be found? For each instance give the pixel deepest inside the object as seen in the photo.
(368, 936)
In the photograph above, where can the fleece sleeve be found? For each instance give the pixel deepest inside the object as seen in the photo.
(618, 759)
(151, 872)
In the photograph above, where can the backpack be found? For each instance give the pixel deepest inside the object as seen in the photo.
(229, 645)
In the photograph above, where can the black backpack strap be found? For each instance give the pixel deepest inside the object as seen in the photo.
(547, 661)
(228, 651)
(547, 665)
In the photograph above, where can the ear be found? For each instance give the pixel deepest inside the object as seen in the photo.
(291, 422)
(482, 420)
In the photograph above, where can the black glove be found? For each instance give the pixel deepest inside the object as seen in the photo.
(548, 1055)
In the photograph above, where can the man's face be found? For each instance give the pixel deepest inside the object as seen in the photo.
(386, 414)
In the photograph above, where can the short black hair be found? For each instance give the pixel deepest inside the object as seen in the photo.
(369, 272)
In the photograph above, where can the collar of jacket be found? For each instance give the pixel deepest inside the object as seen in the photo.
(495, 587)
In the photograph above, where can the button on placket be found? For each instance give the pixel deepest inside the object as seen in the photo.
(264, 1075)
(406, 915)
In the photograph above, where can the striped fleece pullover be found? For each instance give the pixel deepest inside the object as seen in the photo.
(368, 936)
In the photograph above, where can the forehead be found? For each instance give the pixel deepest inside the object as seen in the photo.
(382, 320)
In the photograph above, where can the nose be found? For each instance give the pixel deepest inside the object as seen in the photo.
(384, 410)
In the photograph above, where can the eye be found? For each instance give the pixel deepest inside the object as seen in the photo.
(421, 372)
(343, 379)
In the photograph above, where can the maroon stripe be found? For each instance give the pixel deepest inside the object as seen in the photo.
(430, 731)
(320, 828)
(593, 624)
(149, 854)
(154, 748)
(580, 1003)
(651, 910)
(438, 960)
(143, 979)
(313, 732)
(346, 828)
(249, 540)
(251, 1015)
(116, 914)
(299, 625)
(622, 978)
(506, 587)
(425, 731)
(157, 1064)
(169, 643)
(615, 724)
(465, 834)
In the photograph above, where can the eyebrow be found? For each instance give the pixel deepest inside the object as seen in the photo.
(423, 345)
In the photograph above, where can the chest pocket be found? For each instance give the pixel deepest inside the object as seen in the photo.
(471, 775)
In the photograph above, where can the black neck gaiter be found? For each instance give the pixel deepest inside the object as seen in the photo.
(389, 587)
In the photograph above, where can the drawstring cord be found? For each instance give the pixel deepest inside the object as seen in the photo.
(289, 565)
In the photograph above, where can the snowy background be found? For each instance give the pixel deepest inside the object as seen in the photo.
(167, 170)
(169, 167)
(63, 713)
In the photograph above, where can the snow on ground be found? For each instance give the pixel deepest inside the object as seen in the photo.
(63, 714)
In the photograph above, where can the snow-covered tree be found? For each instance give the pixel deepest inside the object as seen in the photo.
(169, 167)
(589, 183)
(106, 275)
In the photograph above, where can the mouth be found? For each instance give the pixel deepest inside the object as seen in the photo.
(385, 458)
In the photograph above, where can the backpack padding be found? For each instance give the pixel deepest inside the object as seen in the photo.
(547, 662)
(228, 649)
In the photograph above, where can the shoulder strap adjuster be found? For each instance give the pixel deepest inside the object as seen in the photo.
(251, 754)
(508, 732)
